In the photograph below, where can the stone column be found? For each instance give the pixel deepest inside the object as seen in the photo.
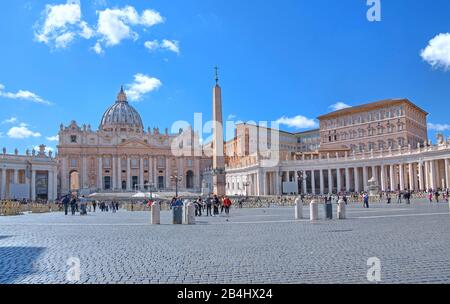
(347, 179)
(313, 182)
(427, 176)
(260, 182)
(432, 175)
(84, 176)
(114, 173)
(330, 181)
(402, 177)
(421, 180)
(33, 185)
(322, 185)
(365, 178)
(50, 186)
(55, 183)
(119, 173)
(16, 176)
(383, 178)
(447, 185)
(155, 172)
(357, 184)
(64, 176)
(128, 174)
(100, 174)
(168, 173)
(411, 176)
(276, 177)
(305, 186)
(392, 178)
(141, 173)
(3, 184)
(338, 177)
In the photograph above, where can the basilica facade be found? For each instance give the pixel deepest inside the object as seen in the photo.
(123, 157)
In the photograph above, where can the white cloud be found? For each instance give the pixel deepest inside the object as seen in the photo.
(170, 45)
(438, 127)
(62, 24)
(142, 84)
(437, 53)
(53, 138)
(23, 95)
(11, 120)
(97, 48)
(22, 132)
(231, 117)
(339, 106)
(114, 25)
(298, 122)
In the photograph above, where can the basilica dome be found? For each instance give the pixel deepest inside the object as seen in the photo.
(121, 116)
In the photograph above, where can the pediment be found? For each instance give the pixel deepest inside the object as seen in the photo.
(134, 144)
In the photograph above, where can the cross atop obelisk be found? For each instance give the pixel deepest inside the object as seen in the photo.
(218, 149)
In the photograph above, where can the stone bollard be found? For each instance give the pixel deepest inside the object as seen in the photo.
(314, 210)
(190, 214)
(156, 214)
(298, 209)
(341, 212)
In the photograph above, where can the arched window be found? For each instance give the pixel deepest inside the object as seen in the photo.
(189, 180)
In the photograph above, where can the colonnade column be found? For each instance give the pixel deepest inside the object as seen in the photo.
(50, 185)
(322, 185)
(427, 176)
(16, 176)
(432, 177)
(446, 174)
(411, 176)
(402, 177)
(383, 178)
(392, 178)
(305, 186)
(119, 173)
(128, 174)
(356, 175)
(330, 181)
(313, 182)
(33, 185)
(365, 178)
(84, 177)
(421, 181)
(339, 180)
(3, 184)
(100, 174)
(141, 173)
(114, 173)
(347, 179)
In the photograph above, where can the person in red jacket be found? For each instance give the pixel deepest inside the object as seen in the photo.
(227, 204)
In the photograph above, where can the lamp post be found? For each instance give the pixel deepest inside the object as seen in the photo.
(177, 179)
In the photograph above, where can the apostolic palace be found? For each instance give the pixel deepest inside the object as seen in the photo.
(384, 141)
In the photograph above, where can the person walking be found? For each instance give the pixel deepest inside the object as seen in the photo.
(388, 197)
(216, 204)
(227, 204)
(73, 205)
(436, 195)
(430, 196)
(199, 206)
(66, 202)
(208, 206)
(366, 200)
(94, 205)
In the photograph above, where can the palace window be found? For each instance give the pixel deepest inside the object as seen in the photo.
(134, 163)
(107, 163)
(73, 139)
(74, 163)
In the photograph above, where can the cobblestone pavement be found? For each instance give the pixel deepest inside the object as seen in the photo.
(252, 246)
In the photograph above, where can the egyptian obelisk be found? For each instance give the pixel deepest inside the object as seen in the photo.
(218, 150)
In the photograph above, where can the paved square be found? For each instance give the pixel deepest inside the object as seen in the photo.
(252, 246)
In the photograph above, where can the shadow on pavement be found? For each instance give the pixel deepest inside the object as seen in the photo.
(17, 262)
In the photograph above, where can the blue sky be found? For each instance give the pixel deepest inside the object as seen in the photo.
(292, 59)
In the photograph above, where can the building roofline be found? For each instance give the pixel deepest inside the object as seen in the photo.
(360, 108)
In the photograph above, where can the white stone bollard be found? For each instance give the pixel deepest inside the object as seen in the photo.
(190, 214)
(341, 212)
(185, 212)
(156, 214)
(314, 210)
(298, 209)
